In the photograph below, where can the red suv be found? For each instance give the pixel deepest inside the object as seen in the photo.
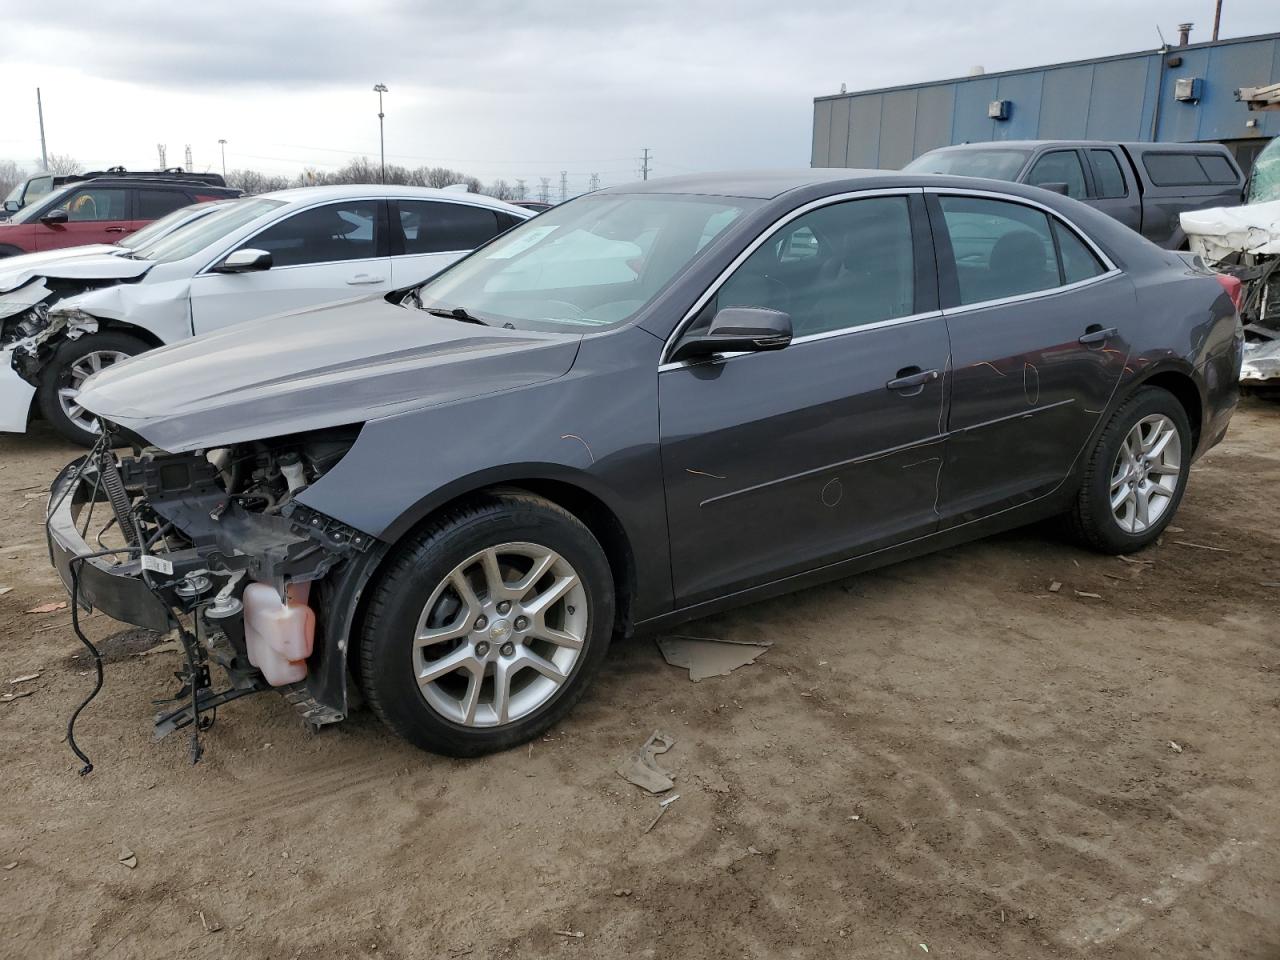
(102, 210)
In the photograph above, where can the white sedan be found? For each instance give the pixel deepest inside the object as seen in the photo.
(62, 320)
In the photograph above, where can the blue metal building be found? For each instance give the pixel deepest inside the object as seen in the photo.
(1182, 93)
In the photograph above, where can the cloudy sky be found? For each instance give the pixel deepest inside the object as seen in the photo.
(516, 90)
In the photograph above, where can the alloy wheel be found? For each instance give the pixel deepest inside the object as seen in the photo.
(76, 374)
(1146, 473)
(500, 634)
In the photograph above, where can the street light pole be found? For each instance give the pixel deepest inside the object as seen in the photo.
(223, 145)
(44, 153)
(380, 89)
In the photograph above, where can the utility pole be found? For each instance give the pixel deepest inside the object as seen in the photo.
(644, 164)
(223, 145)
(519, 189)
(544, 189)
(594, 183)
(160, 149)
(187, 156)
(564, 185)
(380, 89)
(44, 152)
(1217, 18)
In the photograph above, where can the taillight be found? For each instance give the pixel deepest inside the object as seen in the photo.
(1234, 288)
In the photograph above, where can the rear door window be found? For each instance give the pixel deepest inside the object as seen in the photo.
(1174, 169)
(1001, 249)
(1108, 181)
(154, 204)
(327, 234)
(1059, 166)
(431, 226)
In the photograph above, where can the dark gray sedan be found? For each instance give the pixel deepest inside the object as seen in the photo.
(646, 405)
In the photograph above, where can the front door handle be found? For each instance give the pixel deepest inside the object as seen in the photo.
(364, 278)
(911, 380)
(116, 230)
(1096, 333)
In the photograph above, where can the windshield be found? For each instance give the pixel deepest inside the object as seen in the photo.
(194, 237)
(139, 240)
(995, 164)
(1264, 182)
(592, 262)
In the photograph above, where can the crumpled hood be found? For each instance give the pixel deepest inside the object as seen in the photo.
(339, 364)
(69, 265)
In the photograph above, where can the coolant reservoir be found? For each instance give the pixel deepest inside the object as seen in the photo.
(279, 636)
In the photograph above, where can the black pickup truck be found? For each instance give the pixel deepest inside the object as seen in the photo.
(1143, 185)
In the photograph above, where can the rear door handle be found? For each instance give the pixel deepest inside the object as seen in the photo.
(1096, 333)
(364, 278)
(912, 378)
(116, 230)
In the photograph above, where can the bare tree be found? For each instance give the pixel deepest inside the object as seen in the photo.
(502, 190)
(61, 164)
(10, 176)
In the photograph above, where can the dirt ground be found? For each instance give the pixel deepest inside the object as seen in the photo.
(941, 756)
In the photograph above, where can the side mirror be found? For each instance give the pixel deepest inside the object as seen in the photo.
(58, 215)
(12, 206)
(1054, 187)
(738, 330)
(245, 260)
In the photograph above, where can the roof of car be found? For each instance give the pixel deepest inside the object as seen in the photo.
(759, 184)
(345, 190)
(1036, 144)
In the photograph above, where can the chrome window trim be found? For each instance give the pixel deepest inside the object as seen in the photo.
(773, 228)
(1032, 295)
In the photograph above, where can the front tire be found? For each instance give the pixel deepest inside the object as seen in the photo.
(1136, 475)
(487, 626)
(72, 363)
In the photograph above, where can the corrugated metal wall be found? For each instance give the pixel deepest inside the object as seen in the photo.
(1109, 99)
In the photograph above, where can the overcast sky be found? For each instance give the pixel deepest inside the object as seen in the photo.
(507, 89)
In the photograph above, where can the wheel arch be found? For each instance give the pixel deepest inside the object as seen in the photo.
(132, 329)
(1182, 384)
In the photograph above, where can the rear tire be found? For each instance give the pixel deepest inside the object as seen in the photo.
(66, 370)
(1136, 474)
(9, 251)
(458, 654)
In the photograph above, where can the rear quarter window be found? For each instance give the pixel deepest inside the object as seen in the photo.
(1218, 169)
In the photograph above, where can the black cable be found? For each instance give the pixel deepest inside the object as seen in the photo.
(74, 566)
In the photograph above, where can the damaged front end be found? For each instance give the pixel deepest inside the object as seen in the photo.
(211, 544)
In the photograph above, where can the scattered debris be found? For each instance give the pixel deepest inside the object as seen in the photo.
(10, 866)
(707, 657)
(622, 891)
(1145, 563)
(49, 607)
(1269, 583)
(1175, 746)
(1091, 596)
(924, 947)
(576, 934)
(5, 698)
(1201, 546)
(654, 822)
(855, 817)
(642, 769)
(25, 678)
(1055, 586)
(668, 800)
(128, 857)
(4, 590)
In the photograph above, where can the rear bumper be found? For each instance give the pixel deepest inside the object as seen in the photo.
(15, 396)
(115, 588)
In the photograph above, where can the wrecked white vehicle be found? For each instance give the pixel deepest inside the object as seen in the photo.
(1244, 242)
(67, 318)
